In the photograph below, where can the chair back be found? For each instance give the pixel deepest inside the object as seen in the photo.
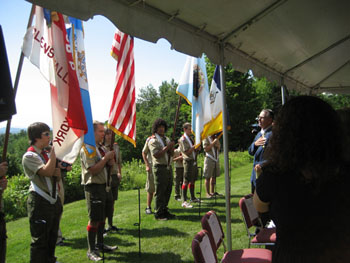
(211, 223)
(203, 248)
(249, 213)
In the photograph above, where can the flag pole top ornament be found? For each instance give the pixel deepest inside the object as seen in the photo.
(50, 16)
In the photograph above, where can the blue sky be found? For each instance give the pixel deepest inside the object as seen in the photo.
(154, 63)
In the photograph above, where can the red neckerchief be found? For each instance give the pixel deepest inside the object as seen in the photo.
(46, 158)
(102, 152)
(43, 153)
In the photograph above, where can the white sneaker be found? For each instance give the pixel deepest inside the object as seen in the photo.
(186, 205)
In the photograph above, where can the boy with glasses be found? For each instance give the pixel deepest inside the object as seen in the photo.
(44, 205)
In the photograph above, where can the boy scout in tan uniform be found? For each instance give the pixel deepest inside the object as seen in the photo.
(150, 188)
(189, 155)
(161, 149)
(94, 179)
(211, 146)
(115, 178)
(44, 205)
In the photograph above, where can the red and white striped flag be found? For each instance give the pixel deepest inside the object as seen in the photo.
(122, 115)
(46, 46)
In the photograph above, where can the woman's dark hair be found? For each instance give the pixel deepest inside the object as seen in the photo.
(306, 136)
(157, 123)
(35, 131)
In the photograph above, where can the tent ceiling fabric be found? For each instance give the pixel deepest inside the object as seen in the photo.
(302, 44)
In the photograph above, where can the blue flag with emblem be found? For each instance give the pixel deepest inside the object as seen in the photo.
(76, 39)
(193, 87)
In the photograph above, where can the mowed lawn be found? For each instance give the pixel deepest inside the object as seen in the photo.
(161, 241)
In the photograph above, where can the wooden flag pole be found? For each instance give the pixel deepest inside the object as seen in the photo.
(18, 74)
(175, 123)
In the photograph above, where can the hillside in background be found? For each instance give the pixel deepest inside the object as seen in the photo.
(12, 130)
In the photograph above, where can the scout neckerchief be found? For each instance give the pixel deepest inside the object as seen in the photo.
(215, 154)
(44, 157)
(189, 140)
(101, 153)
(163, 145)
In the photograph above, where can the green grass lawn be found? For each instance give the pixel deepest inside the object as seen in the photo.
(161, 241)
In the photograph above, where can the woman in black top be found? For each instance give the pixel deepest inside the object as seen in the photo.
(304, 184)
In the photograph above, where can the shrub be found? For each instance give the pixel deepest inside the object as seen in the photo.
(238, 159)
(133, 175)
(73, 190)
(15, 197)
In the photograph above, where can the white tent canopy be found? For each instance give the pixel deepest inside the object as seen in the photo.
(302, 44)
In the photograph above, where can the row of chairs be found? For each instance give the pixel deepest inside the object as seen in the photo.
(206, 242)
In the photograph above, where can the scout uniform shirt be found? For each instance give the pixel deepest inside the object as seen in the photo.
(179, 163)
(156, 144)
(114, 170)
(33, 160)
(146, 151)
(213, 153)
(185, 144)
(89, 161)
(118, 159)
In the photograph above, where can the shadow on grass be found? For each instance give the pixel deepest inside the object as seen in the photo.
(81, 243)
(154, 232)
(145, 257)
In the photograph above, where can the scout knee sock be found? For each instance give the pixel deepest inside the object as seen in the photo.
(101, 227)
(191, 186)
(184, 192)
(91, 237)
(110, 220)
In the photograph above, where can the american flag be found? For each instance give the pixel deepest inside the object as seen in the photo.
(122, 115)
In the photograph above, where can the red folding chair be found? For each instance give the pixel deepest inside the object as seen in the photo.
(213, 235)
(265, 236)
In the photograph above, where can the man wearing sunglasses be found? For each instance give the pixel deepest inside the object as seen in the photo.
(261, 140)
(44, 205)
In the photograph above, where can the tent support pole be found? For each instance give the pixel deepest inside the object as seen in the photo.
(227, 177)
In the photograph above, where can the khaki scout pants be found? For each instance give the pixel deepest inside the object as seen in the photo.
(44, 220)
(164, 183)
(179, 177)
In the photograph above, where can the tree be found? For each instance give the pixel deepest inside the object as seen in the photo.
(17, 146)
(246, 96)
(150, 105)
(337, 101)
